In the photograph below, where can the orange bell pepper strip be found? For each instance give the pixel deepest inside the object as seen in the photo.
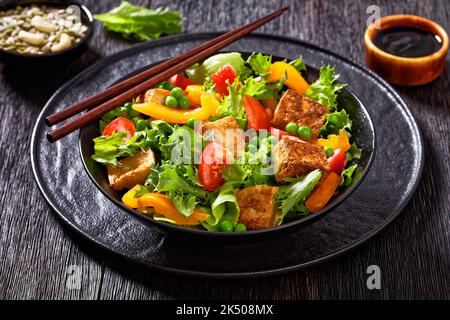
(209, 106)
(294, 80)
(323, 193)
(334, 141)
(163, 206)
(194, 92)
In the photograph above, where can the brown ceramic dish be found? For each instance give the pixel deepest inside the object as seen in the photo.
(405, 70)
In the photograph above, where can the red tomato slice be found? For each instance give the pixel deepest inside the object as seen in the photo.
(120, 124)
(337, 161)
(277, 133)
(223, 77)
(210, 168)
(257, 117)
(180, 81)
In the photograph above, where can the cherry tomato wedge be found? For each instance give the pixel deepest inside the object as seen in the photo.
(180, 81)
(257, 118)
(337, 161)
(210, 168)
(223, 77)
(120, 124)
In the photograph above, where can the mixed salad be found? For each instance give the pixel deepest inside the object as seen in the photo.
(231, 145)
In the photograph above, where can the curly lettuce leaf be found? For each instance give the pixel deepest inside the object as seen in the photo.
(291, 198)
(298, 64)
(259, 63)
(353, 153)
(139, 23)
(107, 149)
(324, 90)
(335, 121)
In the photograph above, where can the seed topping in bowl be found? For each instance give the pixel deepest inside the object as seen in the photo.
(39, 29)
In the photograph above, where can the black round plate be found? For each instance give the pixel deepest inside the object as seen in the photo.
(387, 188)
(363, 134)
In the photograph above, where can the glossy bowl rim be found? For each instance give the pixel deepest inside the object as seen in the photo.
(371, 32)
(48, 55)
(289, 226)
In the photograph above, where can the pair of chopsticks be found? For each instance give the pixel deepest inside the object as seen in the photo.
(122, 92)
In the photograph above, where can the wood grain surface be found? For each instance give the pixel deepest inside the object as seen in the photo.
(413, 252)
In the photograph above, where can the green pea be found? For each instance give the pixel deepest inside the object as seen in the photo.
(171, 102)
(141, 125)
(328, 151)
(292, 127)
(184, 103)
(165, 85)
(225, 226)
(273, 140)
(304, 132)
(177, 92)
(240, 227)
(191, 123)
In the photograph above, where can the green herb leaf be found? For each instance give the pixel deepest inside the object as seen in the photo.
(354, 152)
(139, 23)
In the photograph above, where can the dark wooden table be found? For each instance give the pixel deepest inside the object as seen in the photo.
(413, 252)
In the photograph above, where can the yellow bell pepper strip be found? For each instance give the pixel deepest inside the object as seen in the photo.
(164, 206)
(323, 193)
(129, 199)
(209, 106)
(295, 81)
(335, 141)
(194, 92)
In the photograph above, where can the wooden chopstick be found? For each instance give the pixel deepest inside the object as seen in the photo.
(132, 91)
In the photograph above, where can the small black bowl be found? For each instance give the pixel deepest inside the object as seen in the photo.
(363, 133)
(66, 55)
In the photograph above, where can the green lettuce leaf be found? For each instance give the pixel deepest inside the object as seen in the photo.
(199, 72)
(298, 64)
(259, 63)
(335, 121)
(224, 208)
(231, 105)
(180, 184)
(291, 198)
(139, 23)
(347, 176)
(107, 149)
(353, 153)
(324, 90)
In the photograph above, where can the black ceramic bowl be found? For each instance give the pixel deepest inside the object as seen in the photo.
(62, 56)
(363, 133)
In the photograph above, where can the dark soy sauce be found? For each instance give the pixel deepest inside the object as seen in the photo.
(407, 42)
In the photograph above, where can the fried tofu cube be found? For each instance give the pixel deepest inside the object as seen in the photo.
(131, 170)
(294, 157)
(227, 133)
(155, 95)
(294, 107)
(258, 207)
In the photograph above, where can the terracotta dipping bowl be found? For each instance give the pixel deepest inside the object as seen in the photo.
(401, 70)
